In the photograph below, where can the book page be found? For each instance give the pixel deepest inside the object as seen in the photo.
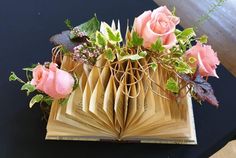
(132, 100)
(96, 103)
(109, 99)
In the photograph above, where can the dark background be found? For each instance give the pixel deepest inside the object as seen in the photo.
(25, 28)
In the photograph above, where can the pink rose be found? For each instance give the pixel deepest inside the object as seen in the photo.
(159, 23)
(206, 59)
(53, 81)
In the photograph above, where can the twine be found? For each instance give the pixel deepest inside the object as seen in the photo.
(121, 70)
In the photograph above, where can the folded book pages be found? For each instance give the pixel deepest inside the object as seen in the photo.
(119, 101)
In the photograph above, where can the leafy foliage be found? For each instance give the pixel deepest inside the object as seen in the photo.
(203, 39)
(142, 53)
(172, 85)
(68, 24)
(69, 42)
(36, 99)
(14, 77)
(201, 88)
(185, 35)
(90, 27)
(157, 46)
(109, 55)
(100, 39)
(132, 57)
(112, 36)
(63, 101)
(28, 88)
(136, 40)
(153, 66)
(182, 67)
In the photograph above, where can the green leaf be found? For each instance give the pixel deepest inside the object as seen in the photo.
(109, 55)
(136, 40)
(28, 87)
(203, 39)
(68, 24)
(36, 99)
(113, 36)
(172, 85)
(182, 67)
(186, 34)
(189, 32)
(90, 27)
(153, 66)
(142, 53)
(100, 39)
(132, 57)
(177, 32)
(13, 77)
(157, 46)
(63, 101)
(48, 100)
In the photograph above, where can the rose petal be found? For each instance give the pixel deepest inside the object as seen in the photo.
(140, 21)
(169, 41)
(202, 68)
(41, 82)
(49, 86)
(64, 82)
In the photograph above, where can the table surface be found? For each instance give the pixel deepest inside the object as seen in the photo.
(25, 28)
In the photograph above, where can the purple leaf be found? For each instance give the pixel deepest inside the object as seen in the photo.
(64, 39)
(202, 89)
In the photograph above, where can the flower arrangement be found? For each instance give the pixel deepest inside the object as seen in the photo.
(154, 37)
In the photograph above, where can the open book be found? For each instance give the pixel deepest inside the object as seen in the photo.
(120, 103)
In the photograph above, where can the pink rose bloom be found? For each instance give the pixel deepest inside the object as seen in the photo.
(53, 81)
(206, 59)
(159, 23)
